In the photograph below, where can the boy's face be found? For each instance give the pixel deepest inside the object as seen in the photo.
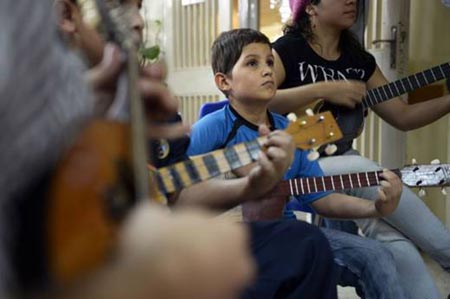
(252, 76)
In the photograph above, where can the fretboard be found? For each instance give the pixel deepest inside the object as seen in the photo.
(299, 186)
(380, 94)
(201, 168)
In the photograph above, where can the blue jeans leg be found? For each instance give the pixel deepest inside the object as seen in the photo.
(347, 226)
(294, 261)
(366, 265)
(412, 224)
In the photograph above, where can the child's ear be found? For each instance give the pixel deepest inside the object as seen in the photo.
(222, 82)
(66, 14)
(310, 10)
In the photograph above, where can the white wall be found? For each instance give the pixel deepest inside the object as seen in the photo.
(429, 46)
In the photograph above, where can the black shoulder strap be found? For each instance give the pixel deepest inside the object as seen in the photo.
(236, 125)
(240, 121)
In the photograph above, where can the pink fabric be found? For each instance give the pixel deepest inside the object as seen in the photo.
(297, 7)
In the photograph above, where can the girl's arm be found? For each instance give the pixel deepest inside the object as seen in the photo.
(406, 117)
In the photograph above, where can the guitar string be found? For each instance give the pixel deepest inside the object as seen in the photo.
(433, 71)
(284, 188)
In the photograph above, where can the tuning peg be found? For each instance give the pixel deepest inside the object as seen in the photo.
(444, 191)
(330, 149)
(435, 161)
(292, 117)
(413, 161)
(422, 193)
(309, 112)
(313, 155)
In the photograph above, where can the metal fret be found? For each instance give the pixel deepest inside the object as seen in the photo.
(410, 84)
(370, 95)
(351, 183)
(323, 183)
(385, 93)
(445, 69)
(434, 76)
(392, 93)
(377, 178)
(428, 74)
(442, 71)
(342, 182)
(396, 87)
(332, 182)
(423, 78)
(301, 185)
(296, 187)
(367, 178)
(290, 187)
(403, 85)
(315, 184)
(307, 185)
(380, 98)
(418, 83)
(359, 180)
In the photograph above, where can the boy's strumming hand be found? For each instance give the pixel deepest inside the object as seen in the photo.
(274, 162)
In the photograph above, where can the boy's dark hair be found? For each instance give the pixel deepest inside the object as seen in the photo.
(227, 47)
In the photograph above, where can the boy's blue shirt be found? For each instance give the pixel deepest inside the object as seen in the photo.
(211, 132)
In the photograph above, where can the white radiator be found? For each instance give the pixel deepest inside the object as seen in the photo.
(196, 27)
(190, 105)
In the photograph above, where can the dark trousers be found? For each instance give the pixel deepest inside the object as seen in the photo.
(294, 261)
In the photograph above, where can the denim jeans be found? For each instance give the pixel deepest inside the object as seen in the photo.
(364, 264)
(411, 225)
(294, 261)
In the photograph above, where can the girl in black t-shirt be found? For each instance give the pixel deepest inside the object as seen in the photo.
(318, 47)
(319, 58)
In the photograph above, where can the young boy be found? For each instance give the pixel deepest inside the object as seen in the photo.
(243, 64)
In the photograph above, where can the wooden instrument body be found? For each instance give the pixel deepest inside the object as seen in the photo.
(90, 193)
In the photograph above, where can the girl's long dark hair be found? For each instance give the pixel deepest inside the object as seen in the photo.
(347, 43)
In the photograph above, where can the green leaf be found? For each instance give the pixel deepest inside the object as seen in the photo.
(151, 53)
